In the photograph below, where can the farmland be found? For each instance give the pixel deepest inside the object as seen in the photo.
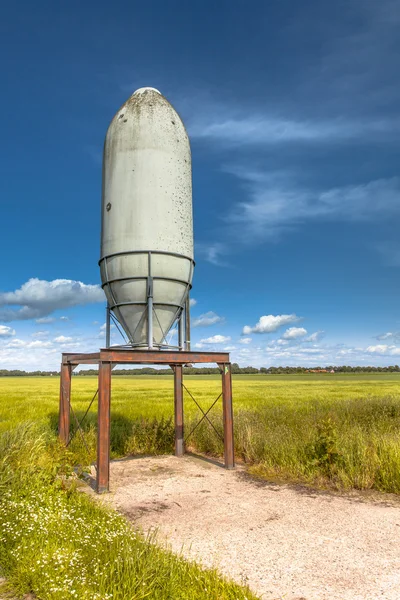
(340, 431)
(334, 431)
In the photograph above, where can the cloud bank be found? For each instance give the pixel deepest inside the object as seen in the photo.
(6, 332)
(276, 204)
(39, 298)
(294, 333)
(208, 319)
(270, 323)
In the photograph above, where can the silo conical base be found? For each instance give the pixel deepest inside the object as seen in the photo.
(159, 282)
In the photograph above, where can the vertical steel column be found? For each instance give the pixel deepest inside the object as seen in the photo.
(108, 326)
(103, 428)
(187, 323)
(178, 402)
(149, 305)
(227, 415)
(181, 331)
(150, 318)
(65, 399)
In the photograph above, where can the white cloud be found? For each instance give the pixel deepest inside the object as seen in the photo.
(293, 333)
(277, 344)
(268, 130)
(41, 354)
(103, 330)
(39, 298)
(212, 252)
(6, 332)
(346, 352)
(64, 319)
(383, 349)
(40, 334)
(62, 339)
(216, 339)
(378, 349)
(386, 336)
(245, 340)
(45, 320)
(192, 302)
(209, 318)
(39, 344)
(310, 351)
(270, 323)
(17, 343)
(276, 203)
(229, 348)
(316, 336)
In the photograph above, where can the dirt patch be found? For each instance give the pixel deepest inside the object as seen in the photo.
(283, 542)
(6, 594)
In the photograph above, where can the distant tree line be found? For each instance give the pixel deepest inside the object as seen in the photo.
(236, 370)
(19, 373)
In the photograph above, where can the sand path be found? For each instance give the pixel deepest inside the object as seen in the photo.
(284, 541)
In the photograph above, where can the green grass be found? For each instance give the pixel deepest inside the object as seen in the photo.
(335, 430)
(62, 545)
(340, 431)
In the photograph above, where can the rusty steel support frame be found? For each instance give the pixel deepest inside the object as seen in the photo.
(227, 408)
(64, 414)
(178, 410)
(107, 359)
(103, 427)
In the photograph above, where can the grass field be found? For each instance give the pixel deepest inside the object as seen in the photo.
(336, 430)
(61, 545)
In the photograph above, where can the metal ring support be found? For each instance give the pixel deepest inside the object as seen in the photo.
(161, 252)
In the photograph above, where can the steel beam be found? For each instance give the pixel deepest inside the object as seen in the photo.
(65, 403)
(227, 415)
(159, 357)
(69, 358)
(178, 402)
(103, 428)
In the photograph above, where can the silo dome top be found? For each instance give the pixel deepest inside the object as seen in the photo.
(147, 224)
(146, 89)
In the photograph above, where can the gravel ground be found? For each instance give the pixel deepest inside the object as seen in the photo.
(4, 595)
(284, 541)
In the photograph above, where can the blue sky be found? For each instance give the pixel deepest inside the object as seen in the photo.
(293, 114)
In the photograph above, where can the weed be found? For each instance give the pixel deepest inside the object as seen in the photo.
(61, 545)
(324, 452)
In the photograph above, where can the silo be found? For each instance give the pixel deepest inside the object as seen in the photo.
(146, 259)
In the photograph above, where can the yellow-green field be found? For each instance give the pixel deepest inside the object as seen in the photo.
(36, 398)
(340, 430)
(329, 430)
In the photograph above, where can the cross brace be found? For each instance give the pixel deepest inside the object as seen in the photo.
(107, 359)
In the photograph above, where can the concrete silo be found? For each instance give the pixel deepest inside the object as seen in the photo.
(146, 267)
(147, 227)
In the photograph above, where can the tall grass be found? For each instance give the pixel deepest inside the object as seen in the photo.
(62, 545)
(340, 431)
